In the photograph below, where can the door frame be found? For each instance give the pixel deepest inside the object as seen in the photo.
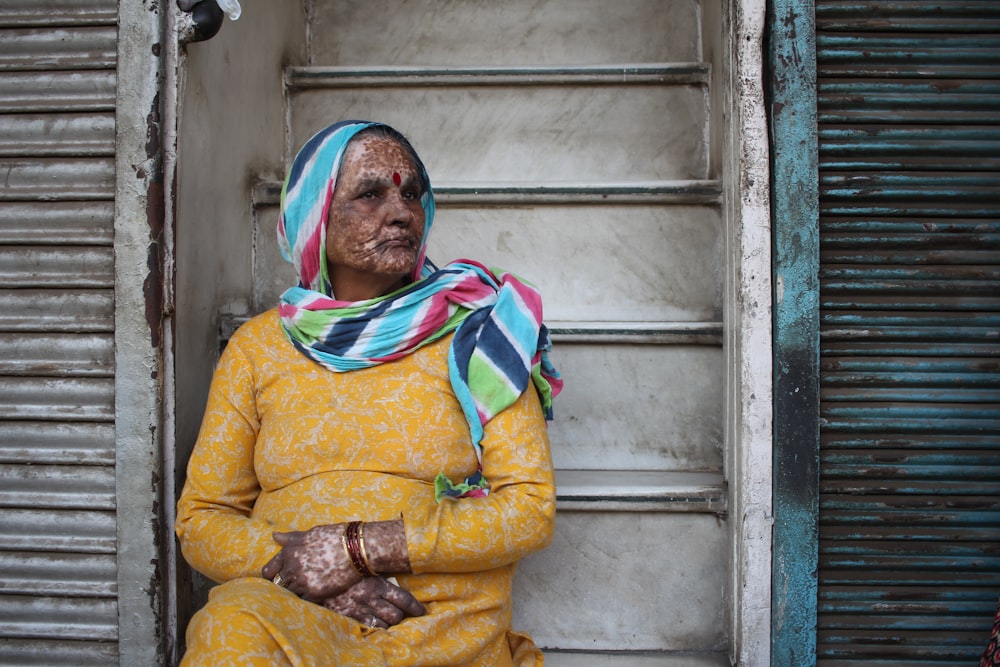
(791, 105)
(142, 282)
(747, 304)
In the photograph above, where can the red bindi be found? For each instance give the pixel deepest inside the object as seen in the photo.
(396, 178)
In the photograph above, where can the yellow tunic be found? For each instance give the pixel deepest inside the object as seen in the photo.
(287, 445)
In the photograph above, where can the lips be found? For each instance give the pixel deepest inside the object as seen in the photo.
(403, 242)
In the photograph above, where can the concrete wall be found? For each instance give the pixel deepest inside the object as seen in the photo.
(230, 89)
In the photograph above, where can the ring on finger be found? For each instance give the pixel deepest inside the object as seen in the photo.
(373, 622)
(278, 581)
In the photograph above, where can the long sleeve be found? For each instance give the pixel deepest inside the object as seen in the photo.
(515, 519)
(218, 537)
(286, 445)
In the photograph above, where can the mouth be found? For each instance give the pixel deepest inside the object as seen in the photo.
(405, 242)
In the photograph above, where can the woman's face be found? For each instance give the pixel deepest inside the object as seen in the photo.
(375, 223)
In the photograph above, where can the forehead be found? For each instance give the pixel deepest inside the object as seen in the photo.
(374, 156)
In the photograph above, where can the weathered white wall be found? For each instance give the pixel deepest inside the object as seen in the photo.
(229, 132)
(138, 343)
(231, 123)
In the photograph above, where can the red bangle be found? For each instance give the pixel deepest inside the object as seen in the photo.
(354, 545)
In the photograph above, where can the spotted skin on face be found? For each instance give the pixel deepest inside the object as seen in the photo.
(376, 221)
(381, 157)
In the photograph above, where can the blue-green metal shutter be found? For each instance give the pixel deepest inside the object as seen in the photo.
(908, 103)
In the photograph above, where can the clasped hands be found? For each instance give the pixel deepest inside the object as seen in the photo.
(314, 565)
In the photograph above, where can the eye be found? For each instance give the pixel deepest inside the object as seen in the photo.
(370, 194)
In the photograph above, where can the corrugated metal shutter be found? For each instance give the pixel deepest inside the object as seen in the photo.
(58, 581)
(908, 106)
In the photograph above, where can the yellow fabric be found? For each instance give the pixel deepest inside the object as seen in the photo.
(287, 445)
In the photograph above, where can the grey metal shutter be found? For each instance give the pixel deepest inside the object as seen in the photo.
(58, 582)
(908, 101)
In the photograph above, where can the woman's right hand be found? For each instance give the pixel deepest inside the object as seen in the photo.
(376, 602)
(313, 563)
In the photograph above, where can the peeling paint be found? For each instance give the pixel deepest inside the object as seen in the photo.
(153, 130)
(796, 331)
(152, 290)
(139, 223)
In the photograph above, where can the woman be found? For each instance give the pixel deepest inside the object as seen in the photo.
(373, 460)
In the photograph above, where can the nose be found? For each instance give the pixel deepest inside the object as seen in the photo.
(399, 212)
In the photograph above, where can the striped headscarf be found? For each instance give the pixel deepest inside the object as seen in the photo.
(499, 347)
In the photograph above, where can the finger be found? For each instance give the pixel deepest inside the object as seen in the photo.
(272, 567)
(372, 620)
(292, 581)
(363, 614)
(284, 539)
(389, 613)
(404, 601)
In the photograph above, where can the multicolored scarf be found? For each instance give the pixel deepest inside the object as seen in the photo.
(499, 343)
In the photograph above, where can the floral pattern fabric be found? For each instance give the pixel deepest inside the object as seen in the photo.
(287, 445)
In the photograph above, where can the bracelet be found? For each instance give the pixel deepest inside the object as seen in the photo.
(364, 552)
(353, 541)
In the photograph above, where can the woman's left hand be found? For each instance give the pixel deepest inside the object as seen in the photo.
(313, 563)
(376, 602)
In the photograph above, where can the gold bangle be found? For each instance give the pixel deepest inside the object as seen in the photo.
(364, 552)
(351, 539)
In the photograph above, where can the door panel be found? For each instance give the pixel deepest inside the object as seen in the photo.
(613, 413)
(518, 32)
(531, 134)
(665, 260)
(568, 142)
(616, 590)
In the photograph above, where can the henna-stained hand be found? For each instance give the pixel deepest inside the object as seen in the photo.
(375, 602)
(313, 563)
